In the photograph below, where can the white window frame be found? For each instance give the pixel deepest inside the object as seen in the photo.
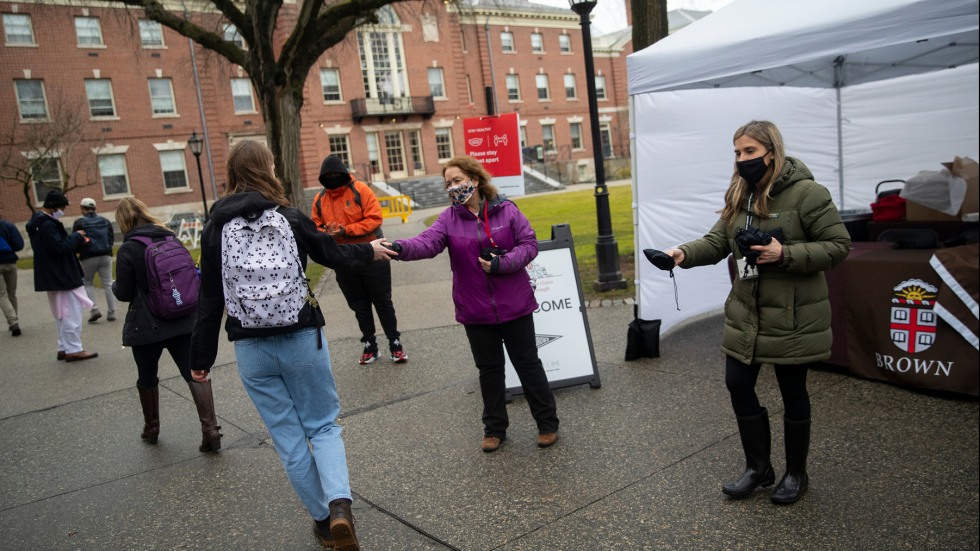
(394, 144)
(565, 44)
(230, 33)
(605, 131)
(573, 136)
(415, 151)
(507, 42)
(515, 79)
(174, 156)
(237, 95)
(324, 84)
(384, 74)
(374, 156)
(46, 116)
(151, 29)
(12, 39)
(343, 152)
(573, 89)
(600, 87)
(444, 143)
(170, 97)
(440, 83)
(39, 185)
(93, 24)
(538, 79)
(538, 47)
(102, 175)
(545, 140)
(88, 95)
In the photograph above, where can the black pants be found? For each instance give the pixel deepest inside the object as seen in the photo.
(740, 379)
(487, 343)
(367, 286)
(147, 358)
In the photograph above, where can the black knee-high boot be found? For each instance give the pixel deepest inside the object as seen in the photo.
(757, 444)
(795, 481)
(150, 401)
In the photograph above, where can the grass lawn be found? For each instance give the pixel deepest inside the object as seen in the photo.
(577, 209)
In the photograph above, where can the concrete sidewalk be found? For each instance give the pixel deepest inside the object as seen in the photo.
(640, 462)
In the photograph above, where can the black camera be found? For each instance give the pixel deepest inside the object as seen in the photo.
(747, 237)
(489, 252)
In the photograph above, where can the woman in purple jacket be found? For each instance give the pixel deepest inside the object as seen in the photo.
(490, 242)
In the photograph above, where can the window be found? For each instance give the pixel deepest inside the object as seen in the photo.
(570, 91)
(383, 67)
(507, 41)
(575, 129)
(523, 133)
(162, 96)
(30, 99)
(89, 31)
(395, 151)
(151, 34)
(565, 43)
(548, 136)
(513, 88)
(113, 171)
(99, 92)
(537, 43)
(174, 169)
(541, 82)
(605, 136)
(436, 85)
(46, 176)
(374, 158)
(340, 146)
(241, 93)
(231, 34)
(18, 30)
(600, 87)
(330, 83)
(444, 143)
(415, 145)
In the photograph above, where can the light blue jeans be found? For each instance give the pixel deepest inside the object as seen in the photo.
(292, 387)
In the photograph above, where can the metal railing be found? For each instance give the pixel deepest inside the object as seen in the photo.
(399, 206)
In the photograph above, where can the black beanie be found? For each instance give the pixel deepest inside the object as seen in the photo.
(55, 200)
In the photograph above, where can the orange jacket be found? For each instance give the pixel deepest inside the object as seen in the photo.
(340, 206)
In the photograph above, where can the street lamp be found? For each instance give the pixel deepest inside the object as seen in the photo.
(196, 144)
(606, 249)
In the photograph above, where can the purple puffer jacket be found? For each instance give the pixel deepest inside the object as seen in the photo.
(482, 298)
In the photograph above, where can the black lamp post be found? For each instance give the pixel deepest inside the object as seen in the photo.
(606, 249)
(196, 144)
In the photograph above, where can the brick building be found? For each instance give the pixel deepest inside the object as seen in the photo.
(390, 99)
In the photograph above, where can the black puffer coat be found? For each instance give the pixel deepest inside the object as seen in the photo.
(131, 285)
(56, 267)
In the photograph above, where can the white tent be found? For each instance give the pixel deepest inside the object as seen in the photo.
(862, 90)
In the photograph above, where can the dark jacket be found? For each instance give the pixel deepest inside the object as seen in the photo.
(481, 298)
(211, 304)
(56, 267)
(783, 316)
(99, 231)
(12, 236)
(132, 286)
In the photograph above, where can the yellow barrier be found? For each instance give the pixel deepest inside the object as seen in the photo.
(396, 205)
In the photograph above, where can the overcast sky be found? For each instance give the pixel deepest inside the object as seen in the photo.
(610, 15)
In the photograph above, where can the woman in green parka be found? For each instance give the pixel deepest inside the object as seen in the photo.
(778, 311)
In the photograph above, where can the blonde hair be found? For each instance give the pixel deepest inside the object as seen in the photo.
(473, 170)
(131, 212)
(768, 135)
(250, 168)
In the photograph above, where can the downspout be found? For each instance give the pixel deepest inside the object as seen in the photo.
(493, 74)
(838, 84)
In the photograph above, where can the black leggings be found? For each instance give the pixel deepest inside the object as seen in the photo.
(740, 379)
(147, 358)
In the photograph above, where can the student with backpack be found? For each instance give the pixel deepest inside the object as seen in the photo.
(157, 276)
(253, 256)
(95, 256)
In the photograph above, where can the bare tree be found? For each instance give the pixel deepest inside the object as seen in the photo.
(649, 22)
(277, 68)
(55, 149)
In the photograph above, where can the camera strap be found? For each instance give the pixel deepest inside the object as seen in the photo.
(486, 224)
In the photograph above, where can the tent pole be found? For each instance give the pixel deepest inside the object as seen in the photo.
(838, 84)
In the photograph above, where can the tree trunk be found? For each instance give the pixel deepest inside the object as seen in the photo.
(281, 112)
(649, 22)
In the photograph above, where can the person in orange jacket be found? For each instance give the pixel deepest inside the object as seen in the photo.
(348, 210)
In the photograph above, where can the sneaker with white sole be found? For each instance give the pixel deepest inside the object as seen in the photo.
(370, 353)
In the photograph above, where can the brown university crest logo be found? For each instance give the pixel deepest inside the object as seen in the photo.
(913, 322)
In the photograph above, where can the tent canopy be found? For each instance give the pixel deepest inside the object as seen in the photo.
(805, 43)
(862, 90)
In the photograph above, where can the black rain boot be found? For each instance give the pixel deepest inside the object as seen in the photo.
(204, 400)
(150, 401)
(757, 444)
(795, 481)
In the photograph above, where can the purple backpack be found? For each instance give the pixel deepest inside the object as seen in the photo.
(173, 278)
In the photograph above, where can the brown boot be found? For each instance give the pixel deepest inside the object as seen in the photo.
(342, 526)
(204, 400)
(150, 400)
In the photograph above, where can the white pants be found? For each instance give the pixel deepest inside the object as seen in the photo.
(101, 265)
(66, 307)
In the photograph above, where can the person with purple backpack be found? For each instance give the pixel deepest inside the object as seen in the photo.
(153, 323)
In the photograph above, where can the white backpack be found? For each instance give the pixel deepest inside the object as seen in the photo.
(263, 278)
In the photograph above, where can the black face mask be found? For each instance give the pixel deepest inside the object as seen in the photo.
(752, 170)
(334, 182)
